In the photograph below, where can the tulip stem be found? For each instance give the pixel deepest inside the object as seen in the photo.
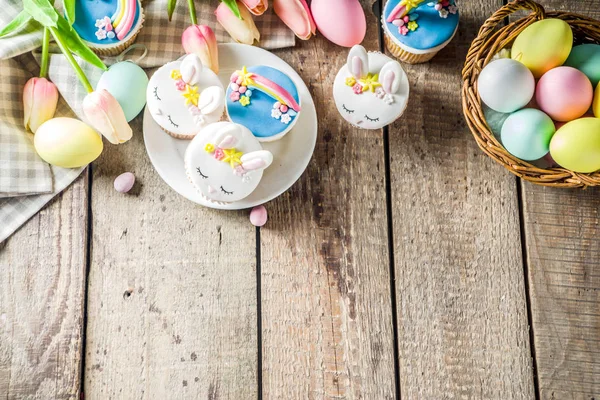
(65, 50)
(192, 8)
(45, 54)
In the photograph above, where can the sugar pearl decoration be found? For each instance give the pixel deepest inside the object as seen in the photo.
(398, 22)
(258, 216)
(124, 182)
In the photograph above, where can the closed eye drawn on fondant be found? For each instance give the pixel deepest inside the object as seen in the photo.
(201, 174)
(225, 191)
(371, 119)
(347, 110)
(156, 93)
(173, 123)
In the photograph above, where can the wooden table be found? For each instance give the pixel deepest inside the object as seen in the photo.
(403, 264)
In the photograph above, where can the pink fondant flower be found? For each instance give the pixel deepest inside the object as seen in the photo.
(380, 93)
(100, 23)
(101, 34)
(180, 84)
(234, 96)
(403, 30)
(285, 118)
(452, 9)
(219, 155)
(275, 113)
(194, 110)
(358, 89)
(234, 77)
(239, 170)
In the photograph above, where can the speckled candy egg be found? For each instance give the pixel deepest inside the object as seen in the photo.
(67, 143)
(506, 85)
(564, 93)
(586, 58)
(526, 134)
(576, 146)
(543, 45)
(127, 82)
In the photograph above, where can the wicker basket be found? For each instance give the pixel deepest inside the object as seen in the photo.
(490, 41)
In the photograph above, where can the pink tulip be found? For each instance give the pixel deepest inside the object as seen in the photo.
(256, 7)
(201, 40)
(296, 15)
(40, 98)
(241, 30)
(106, 116)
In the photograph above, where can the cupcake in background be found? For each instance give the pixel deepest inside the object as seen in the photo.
(108, 26)
(415, 31)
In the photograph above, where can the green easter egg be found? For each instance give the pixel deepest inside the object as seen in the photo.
(576, 146)
(127, 82)
(586, 58)
(526, 134)
(67, 143)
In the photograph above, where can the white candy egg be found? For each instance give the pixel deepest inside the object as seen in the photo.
(506, 85)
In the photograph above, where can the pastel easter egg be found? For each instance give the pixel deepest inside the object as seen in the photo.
(576, 146)
(526, 134)
(586, 58)
(127, 82)
(506, 85)
(564, 93)
(258, 216)
(124, 182)
(596, 104)
(543, 45)
(67, 143)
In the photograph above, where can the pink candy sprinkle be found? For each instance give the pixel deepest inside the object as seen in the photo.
(242, 89)
(108, 27)
(283, 108)
(406, 19)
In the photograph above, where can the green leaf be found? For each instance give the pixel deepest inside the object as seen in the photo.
(233, 6)
(42, 11)
(171, 7)
(69, 6)
(76, 45)
(16, 24)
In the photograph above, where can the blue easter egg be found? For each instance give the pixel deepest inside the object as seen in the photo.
(127, 82)
(526, 134)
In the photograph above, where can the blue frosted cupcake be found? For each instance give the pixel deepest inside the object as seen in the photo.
(264, 100)
(108, 26)
(415, 31)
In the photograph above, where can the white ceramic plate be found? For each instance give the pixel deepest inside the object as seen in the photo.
(291, 154)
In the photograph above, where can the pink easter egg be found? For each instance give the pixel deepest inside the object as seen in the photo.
(564, 93)
(349, 26)
(258, 216)
(124, 182)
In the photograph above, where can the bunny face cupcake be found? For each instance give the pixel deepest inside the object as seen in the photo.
(371, 90)
(184, 97)
(226, 162)
(264, 100)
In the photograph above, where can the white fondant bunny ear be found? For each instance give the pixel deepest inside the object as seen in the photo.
(358, 62)
(211, 99)
(229, 135)
(191, 68)
(391, 76)
(256, 160)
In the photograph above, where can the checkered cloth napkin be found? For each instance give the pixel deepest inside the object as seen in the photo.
(26, 182)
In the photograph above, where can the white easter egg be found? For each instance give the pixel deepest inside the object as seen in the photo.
(506, 85)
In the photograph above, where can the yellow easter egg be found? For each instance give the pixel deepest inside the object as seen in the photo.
(543, 45)
(596, 104)
(576, 146)
(67, 143)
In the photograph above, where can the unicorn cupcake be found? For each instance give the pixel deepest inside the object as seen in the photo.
(264, 100)
(108, 26)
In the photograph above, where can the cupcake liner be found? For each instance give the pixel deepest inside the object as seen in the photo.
(118, 48)
(179, 135)
(406, 56)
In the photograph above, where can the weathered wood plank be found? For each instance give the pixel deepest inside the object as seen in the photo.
(172, 291)
(462, 316)
(563, 258)
(42, 281)
(326, 307)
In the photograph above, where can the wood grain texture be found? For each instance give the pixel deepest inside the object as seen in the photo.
(462, 316)
(563, 257)
(326, 307)
(172, 290)
(42, 281)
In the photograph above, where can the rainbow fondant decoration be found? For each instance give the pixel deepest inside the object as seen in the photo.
(263, 99)
(106, 21)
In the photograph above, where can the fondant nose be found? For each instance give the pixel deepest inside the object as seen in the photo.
(211, 189)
